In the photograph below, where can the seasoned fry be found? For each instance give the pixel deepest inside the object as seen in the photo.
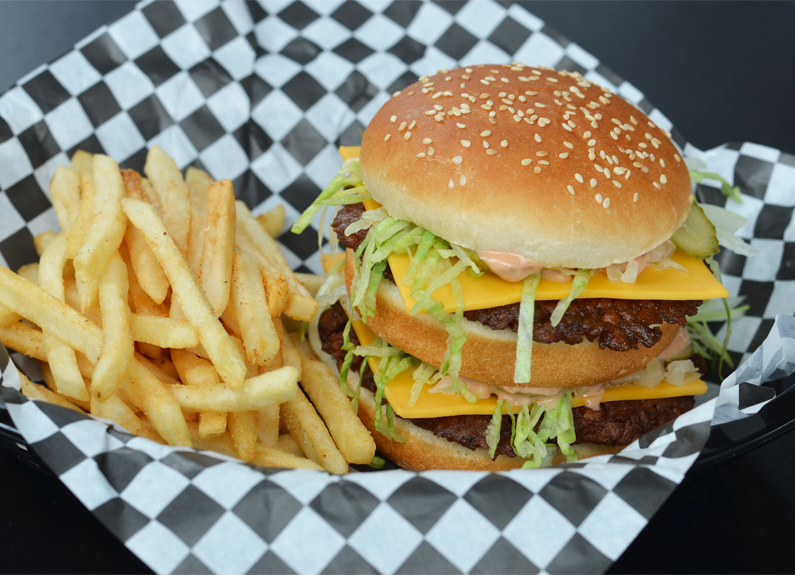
(34, 391)
(257, 392)
(348, 431)
(288, 443)
(41, 241)
(196, 371)
(224, 355)
(218, 245)
(78, 230)
(268, 425)
(107, 229)
(166, 179)
(114, 409)
(65, 195)
(24, 339)
(60, 356)
(291, 354)
(243, 429)
(250, 309)
(30, 272)
(151, 396)
(46, 374)
(149, 273)
(163, 331)
(161, 368)
(8, 317)
(198, 181)
(300, 304)
(83, 162)
(117, 342)
(272, 221)
(311, 434)
(265, 457)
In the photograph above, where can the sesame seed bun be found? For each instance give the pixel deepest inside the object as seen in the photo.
(422, 450)
(490, 355)
(526, 160)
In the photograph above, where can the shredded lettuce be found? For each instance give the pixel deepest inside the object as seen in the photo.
(524, 343)
(377, 462)
(494, 429)
(526, 443)
(345, 188)
(578, 285)
(728, 190)
(726, 225)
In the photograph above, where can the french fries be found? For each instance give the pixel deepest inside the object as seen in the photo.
(159, 307)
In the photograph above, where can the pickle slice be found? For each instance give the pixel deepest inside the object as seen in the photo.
(696, 237)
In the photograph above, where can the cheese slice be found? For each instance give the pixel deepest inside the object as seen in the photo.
(398, 392)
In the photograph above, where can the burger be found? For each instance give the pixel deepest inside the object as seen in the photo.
(522, 253)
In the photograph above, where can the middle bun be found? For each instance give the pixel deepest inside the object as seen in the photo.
(490, 355)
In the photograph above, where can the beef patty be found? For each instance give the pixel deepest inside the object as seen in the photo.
(617, 324)
(616, 423)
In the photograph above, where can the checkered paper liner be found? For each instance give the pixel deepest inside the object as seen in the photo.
(264, 93)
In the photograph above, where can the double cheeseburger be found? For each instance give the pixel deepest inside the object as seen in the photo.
(514, 291)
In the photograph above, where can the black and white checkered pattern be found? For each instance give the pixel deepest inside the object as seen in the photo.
(264, 94)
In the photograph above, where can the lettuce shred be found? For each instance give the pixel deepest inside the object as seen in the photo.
(524, 343)
(728, 190)
(578, 285)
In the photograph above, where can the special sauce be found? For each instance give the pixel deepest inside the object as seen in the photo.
(514, 267)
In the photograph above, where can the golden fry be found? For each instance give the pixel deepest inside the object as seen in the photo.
(288, 443)
(78, 230)
(109, 222)
(114, 409)
(41, 241)
(243, 429)
(166, 179)
(8, 317)
(163, 331)
(198, 181)
(224, 355)
(311, 434)
(348, 431)
(60, 356)
(196, 371)
(117, 342)
(83, 162)
(34, 391)
(250, 309)
(24, 339)
(268, 425)
(218, 245)
(257, 392)
(272, 221)
(65, 195)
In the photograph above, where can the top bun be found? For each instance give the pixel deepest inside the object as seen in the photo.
(531, 161)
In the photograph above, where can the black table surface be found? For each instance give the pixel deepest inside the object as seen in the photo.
(721, 72)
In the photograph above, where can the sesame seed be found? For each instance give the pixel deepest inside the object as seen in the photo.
(571, 124)
(451, 184)
(386, 138)
(563, 155)
(569, 145)
(484, 82)
(469, 70)
(504, 143)
(537, 138)
(579, 178)
(407, 135)
(459, 125)
(678, 159)
(411, 93)
(491, 152)
(396, 93)
(504, 80)
(485, 133)
(485, 144)
(537, 170)
(393, 119)
(427, 141)
(619, 171)
(421, 155)
(598, 167)
(593, 182)
(606, 203)
(616, 183)
(554, 80)
(448, 78)
(571, 189)
(566, 126)
(613, 135)
(413, 123)
(656, 185)
(439, 117)
(607, 174)
(634, 121)
(457, 159)
(598, 198)
(543, 162)
(430, 151)
(402, 126)
(635, 197)
(537, 105)
(466, 143)
(492, 78)
(430, 112)
(526, 161)
(663, 179)
(594, 125)
(541, 154)
(662, 162)
(626, 176)
(463, 181)
(586, 135)
(592, 142)
(438, 108)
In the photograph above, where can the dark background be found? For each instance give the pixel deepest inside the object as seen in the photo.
(720, 71)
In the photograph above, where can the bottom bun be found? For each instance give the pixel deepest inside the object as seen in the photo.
(490, 355)
(422, 450)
